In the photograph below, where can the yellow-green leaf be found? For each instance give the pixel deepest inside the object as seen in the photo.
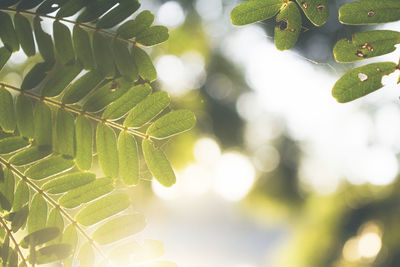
(68, 182)
(255, 10)
(20, 218)
(12, 144)
(52, 253)
(83, 47)
(119, 13)
(30, 155)
(86, 255)
(132, 28)
(40, 236)
(158, 164)
(24, 116)
(147, 109)
(316, 10)
(118, 228)
(43, 124)
(49, 167)
(86, 193)
(125, 63)
(21, 196)
(103, 54)
(144, 64)
(55, 220)
(106, 142)
(126, 102)
(7, 190)
(71, 7)
(65, 130)
(24, 33)
(128, 158)
(152, 36)
(5, 55)
(38, 214)
(173, 123)
(7, 32)
(81, 87)
(7, 116)
(63, 42)
(288, 27)
(84, 143)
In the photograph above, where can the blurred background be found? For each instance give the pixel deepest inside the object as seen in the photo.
(276, 172)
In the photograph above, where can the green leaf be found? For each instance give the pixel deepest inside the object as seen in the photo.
(107, 94)
(316, 10)
(24, 33)
(65, 130)
(86, 193)
(173, 123)
(118, 228)
(53, 253)
(86, 255)
(55, 220)
(30, 155)
(366, 45)
(4, 249)
(158, 164)
(49, 167)
(144, 64)
(60, 78)
(7, 3)
(20, 218)
(81, 87)
(361, 81)
(146, 110)
(152, 36)
(126, 102)
(71, 7)
(28, 4)
(63, 42)
(7, 190)
(128, 159)
(24, 116)
(132, 28)
(68, 182)
(40, 236)
(49, 6)
(7, 116)
(7, 32)
(94, 9)
(12, 144)
(38, 214)
(43, 124)
(125, 63)
(70, 236)
(5, 55)
(13, 259)
(35, 76)
(21, 196)
(102, 209)
(289, 26)
(44, 42)
(103, 54)
(84, 143)
(255, 10)
(118, 13)
(83, 47)
(369, 12)
(107, 150)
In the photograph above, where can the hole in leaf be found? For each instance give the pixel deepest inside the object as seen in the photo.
(304, 4)
(367, 46)
(283, 25)
(371, 13)
(378, 69)
(292, 30)
(360, 54)
(320, 8)
(362, 76)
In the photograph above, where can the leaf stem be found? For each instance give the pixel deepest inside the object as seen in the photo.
(16, 245)
(75, 110)
(55, 205)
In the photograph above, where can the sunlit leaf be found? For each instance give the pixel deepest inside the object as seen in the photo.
(35, 76)
(81, 87)
(65, 130)
(5, 55)
(103, 54)
(145, 67)
(316, 10)
(125, 63)
(122, 254)
(7, 190)
(55, 220)
(256, 10)
(68, 181)
(128, 158)
(7, 32)
(86, 193)
(44, 42)
(132, 28)
(366, 45)
(118, 228)
(369, 12)
(11, 144)
(24, 116)
(153, 35)
(7, 116)
(94, 9)
(147, 109)
(13, 258)
(86, 255)
(126, 102)
(172, 123)
(118, 13)
(63, 42)
(38, 216)
(53, 253)
(83, 47)
(24, 33)
(361, 81)
(158, 164)
(4, 249)
(49, 167)
(43, 124)
(21, 196)
(106, 142)
(30, 155)
(20, 218)
(288, 28)
(102, 209)
(83, 138)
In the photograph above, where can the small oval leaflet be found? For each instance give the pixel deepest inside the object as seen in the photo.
(81, 87)
(38, 216)
(68, 182)
(128, 158)
(24, 33)
(30, 155)
(24, 116)
(43, 124)
(44, 42)
(21, 196)
(118, 13)
(125, 63)
(106, 142)
(84, 142)
(52, 253)
(145, 66)
(118, 228)
(7, 116)
(83, 47)
(40, 237)
(171, 124)
(71, 7)
(132, 28)
(103, 55)
(290, 17)
(94, 10)
(253, 11)
(361, 81)
(63, 42)
(35, 76)
(5, 55)
(102, 209)
(7, 190)
(55, 220)
(20, 218)
(315, 10)
(49, 167)
(86, 255)
(65, 130)
(12, 144)
(152, 36)
(7, 32)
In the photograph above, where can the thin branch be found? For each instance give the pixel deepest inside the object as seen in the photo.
(16, 245)
(55, 205)
(76, 111)
(114, 35)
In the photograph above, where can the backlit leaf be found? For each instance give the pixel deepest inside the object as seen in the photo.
(128, 158)
(7, 116)
(288, 27)
(81, 87)
(24, 33)
(316, 10)
(53, 253)
(107, 150)
(103, 54)
(38, 214)
(86, 255)
(83, 47)
(49, 6)
(55, 220)
(21, 196)
(40, 236)
(84, 143)
(65, 129)
(35, 76)
(68, 181)
(24, 116)
(134, 27)
(125, 63)
(118, 228)
(43, 124)
(28, 4)
(94, 9)
(49, 167)
(86, 193)
(366, 45)
(361, 81)
(11, 144)
(143, 62)
(126, 102)
(256, 10)
(63, 42)
(147, 109)
(5, 55)
(153, 35)
(7, 32)
(369, 12)
(158, 164)
(7, 190)
(30, 155)
(118, 13)
(20, 218)
(71, 7)
(171, 124)
(44, 42)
